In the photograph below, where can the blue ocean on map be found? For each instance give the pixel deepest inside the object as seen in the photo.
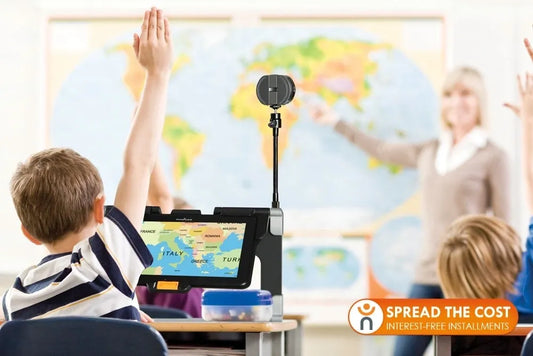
(232, 242)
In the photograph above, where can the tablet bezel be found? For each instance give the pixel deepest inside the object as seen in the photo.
(245, 268)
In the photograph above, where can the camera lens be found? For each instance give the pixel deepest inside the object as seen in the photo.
(275, 90)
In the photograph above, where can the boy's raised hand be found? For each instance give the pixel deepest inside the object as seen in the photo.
(525, 112)
(526, 93)
(153, 48)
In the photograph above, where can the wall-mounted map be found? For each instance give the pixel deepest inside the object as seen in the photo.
(380, 74)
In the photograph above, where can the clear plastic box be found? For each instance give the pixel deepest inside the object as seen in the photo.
(237, 305)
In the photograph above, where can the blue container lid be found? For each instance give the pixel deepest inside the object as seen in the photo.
(236, 297)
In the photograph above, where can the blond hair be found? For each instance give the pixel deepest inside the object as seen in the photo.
(54, 193)
(472, 79)
(480, 257)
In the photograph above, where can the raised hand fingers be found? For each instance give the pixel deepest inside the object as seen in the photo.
(160, 25)
(514, 108)
(528, 48)
(520, 86)
(144, 27)
(167, 30)
(529, 84)
(525, 86)
(136, 44)
(152, 26)
(155, 45)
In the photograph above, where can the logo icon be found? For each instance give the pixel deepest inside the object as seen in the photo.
(365, 316)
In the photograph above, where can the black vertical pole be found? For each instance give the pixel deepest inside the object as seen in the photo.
(275, 124)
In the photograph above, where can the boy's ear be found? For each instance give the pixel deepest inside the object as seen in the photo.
(98, 209)
(30, 236)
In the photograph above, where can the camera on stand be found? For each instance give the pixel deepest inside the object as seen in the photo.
(275, 90)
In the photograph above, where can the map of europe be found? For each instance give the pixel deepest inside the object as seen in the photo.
(195, 249)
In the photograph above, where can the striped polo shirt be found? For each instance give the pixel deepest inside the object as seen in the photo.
(97, 278)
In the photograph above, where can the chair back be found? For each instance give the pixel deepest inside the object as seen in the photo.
(527, 347)
(80, 336)
(158, 312)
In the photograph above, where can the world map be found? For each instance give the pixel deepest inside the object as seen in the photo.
(217, 147)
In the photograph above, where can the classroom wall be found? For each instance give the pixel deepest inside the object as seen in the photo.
(485, 34)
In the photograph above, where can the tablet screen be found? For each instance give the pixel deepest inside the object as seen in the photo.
(199, 250)
(194, 249)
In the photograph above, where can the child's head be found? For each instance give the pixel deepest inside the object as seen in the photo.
(480, 258)
(54, 193)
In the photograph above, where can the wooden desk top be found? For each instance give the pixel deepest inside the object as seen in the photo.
(294, 316)
(199, 325)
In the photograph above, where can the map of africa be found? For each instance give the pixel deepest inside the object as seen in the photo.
(199, 249)
(217, 147)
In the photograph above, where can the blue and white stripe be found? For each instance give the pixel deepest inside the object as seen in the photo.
(97, 279)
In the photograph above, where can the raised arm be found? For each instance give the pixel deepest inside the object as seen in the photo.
(526, 114)
(526, 93)
(529, 49)
(405, 154)
(153, 49)
(524, 110)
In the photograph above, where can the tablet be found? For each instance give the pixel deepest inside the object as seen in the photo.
(195, 250)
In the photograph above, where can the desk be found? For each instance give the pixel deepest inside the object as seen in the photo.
(443, 343)
(262, 338)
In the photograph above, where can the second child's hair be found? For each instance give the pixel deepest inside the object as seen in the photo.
(480, 257)
(54, 192)
(472, 79)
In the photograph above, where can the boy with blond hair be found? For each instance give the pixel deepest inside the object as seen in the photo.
(95, 258)
(480, 258)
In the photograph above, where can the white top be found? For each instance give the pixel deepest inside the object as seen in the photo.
(97, 278)
(450, 156)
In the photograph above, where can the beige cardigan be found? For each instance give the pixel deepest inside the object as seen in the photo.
(478, 186)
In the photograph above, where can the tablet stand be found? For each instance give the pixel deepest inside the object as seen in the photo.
(268, 249)
(270, 253)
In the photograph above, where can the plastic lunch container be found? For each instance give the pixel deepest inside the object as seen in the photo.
(237, 305)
